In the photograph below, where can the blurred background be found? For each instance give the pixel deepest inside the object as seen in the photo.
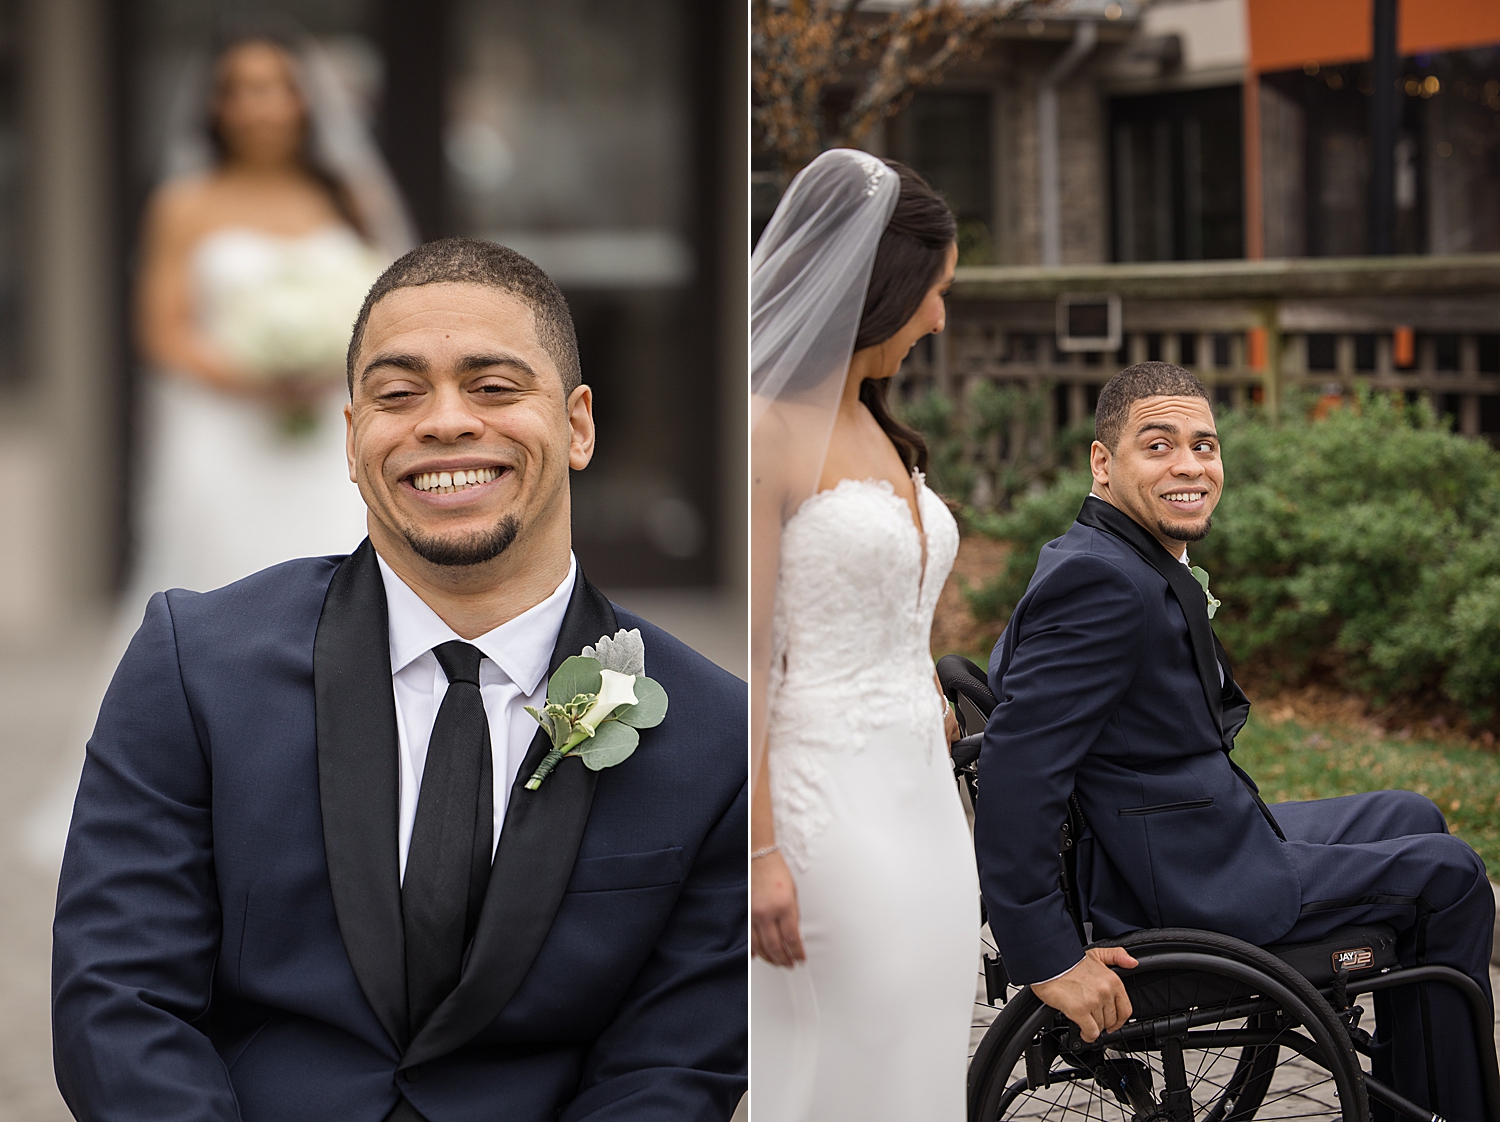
(607, 142)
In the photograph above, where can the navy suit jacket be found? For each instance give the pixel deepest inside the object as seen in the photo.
(228, 941)
(1107, 684)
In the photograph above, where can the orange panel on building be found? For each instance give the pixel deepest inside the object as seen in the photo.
(1447, 25)
(1288, 34)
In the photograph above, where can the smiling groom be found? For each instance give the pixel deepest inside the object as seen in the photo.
(310, 873)
(1113, 691)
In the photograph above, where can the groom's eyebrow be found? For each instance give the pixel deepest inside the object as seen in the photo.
(471, 364)
(414, 363)
(468, 364)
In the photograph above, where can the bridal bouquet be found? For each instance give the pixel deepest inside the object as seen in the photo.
(595, 703)
(293, 321)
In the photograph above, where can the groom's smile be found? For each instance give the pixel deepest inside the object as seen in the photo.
(462, 433)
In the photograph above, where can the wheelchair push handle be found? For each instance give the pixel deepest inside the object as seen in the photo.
(960, 677)
(966, 749)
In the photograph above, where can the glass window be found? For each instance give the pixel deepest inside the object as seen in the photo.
(945, 135)
(1176, 163)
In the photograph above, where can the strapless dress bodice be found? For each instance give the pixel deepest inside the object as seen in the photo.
(854, 602)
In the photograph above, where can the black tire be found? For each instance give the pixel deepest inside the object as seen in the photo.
(1234, 991)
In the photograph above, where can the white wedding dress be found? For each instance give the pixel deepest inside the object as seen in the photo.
(875, 1026)
(224, 489)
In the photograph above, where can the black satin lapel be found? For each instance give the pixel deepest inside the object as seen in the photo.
(1102, 516)
(358, 785)
(539, 842)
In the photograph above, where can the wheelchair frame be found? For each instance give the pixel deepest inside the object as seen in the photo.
(967, 688)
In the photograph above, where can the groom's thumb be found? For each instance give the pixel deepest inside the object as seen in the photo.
(1115, 956)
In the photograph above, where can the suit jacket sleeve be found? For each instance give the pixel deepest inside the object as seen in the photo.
(137, 928)
(676, 1047)
(1078, 640)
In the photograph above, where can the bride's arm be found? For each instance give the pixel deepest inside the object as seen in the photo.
(775, 925)
(774, 920)
(166, 330)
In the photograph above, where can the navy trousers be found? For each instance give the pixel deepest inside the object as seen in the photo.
(1387, 857)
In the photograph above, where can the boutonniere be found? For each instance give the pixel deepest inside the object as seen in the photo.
(595, 703)
(1201, 574)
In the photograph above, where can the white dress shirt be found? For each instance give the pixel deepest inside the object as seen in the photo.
(512, 675)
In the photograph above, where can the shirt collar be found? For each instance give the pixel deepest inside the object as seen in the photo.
(521, 647)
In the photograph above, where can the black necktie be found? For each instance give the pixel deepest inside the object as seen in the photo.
(448, 862)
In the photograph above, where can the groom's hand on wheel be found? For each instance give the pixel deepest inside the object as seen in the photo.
(775, 933)
(1091, 995)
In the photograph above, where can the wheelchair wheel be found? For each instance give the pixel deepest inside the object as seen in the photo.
(1221, 1032)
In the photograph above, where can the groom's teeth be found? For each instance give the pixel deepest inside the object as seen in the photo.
(446, 482)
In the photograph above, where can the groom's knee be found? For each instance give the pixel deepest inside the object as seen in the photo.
(1458, 879)
(1409, 813)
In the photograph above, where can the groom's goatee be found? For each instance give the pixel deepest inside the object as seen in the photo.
(1187, 533)
(475, 549)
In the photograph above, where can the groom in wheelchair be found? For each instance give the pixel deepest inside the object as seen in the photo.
(1114, 698)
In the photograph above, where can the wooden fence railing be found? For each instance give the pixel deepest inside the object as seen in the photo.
(1252, 330)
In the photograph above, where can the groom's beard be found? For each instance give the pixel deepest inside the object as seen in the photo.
(473, 549)
(1187, 533)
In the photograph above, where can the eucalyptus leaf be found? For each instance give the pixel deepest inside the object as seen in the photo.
(611, 744)
(575, 676)
(650, 706)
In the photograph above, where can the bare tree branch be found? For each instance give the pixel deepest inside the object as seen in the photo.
(802, 47)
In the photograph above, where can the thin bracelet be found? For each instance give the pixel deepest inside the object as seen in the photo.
(766, 852)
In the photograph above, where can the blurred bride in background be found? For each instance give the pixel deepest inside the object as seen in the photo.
(274, 217)
(257, 249)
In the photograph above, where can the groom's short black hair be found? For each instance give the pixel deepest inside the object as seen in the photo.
(471, 261)
(1144, 379)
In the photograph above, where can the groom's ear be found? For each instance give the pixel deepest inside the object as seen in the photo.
(581, 422)
(349, 439)
(1099, 462)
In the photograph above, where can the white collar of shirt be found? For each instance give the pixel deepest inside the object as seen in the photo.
(520, 647)
(512, 675)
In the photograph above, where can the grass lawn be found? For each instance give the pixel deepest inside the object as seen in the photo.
(1297, 759)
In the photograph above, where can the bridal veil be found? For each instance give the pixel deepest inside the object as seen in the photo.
(808, 278)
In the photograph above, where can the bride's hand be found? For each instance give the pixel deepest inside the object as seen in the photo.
(951, 731)
(775, 933)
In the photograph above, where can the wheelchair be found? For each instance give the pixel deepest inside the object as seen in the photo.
(1221, 1031)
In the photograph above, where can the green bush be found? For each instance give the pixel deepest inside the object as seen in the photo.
(973, 453)
(1364, 547)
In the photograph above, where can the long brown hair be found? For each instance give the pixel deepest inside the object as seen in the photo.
(337, 191)
(907, 263)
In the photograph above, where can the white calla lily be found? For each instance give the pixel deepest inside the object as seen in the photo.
(615, 690)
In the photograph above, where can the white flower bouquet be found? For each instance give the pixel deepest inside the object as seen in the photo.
(293, 322)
